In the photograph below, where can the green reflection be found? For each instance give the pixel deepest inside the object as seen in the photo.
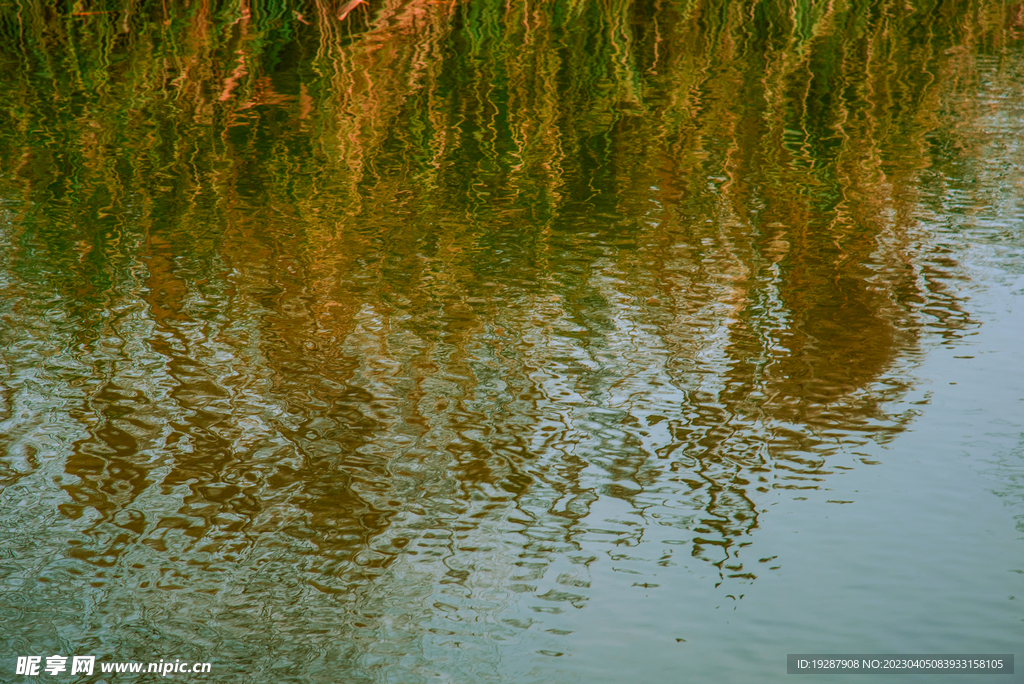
(338, 325)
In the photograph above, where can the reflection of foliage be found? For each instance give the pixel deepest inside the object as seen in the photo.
(452, 250)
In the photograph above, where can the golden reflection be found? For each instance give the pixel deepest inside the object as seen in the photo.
(365, 284)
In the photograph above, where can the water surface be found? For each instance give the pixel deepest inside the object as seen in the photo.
(483, 342)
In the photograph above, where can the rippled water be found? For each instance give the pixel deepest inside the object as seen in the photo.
(475, 342)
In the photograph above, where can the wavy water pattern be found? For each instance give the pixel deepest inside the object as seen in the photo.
(391, 341)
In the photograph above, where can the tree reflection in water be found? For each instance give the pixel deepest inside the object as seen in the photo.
(357, 323)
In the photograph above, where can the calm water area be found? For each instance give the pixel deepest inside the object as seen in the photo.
(467, 341)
